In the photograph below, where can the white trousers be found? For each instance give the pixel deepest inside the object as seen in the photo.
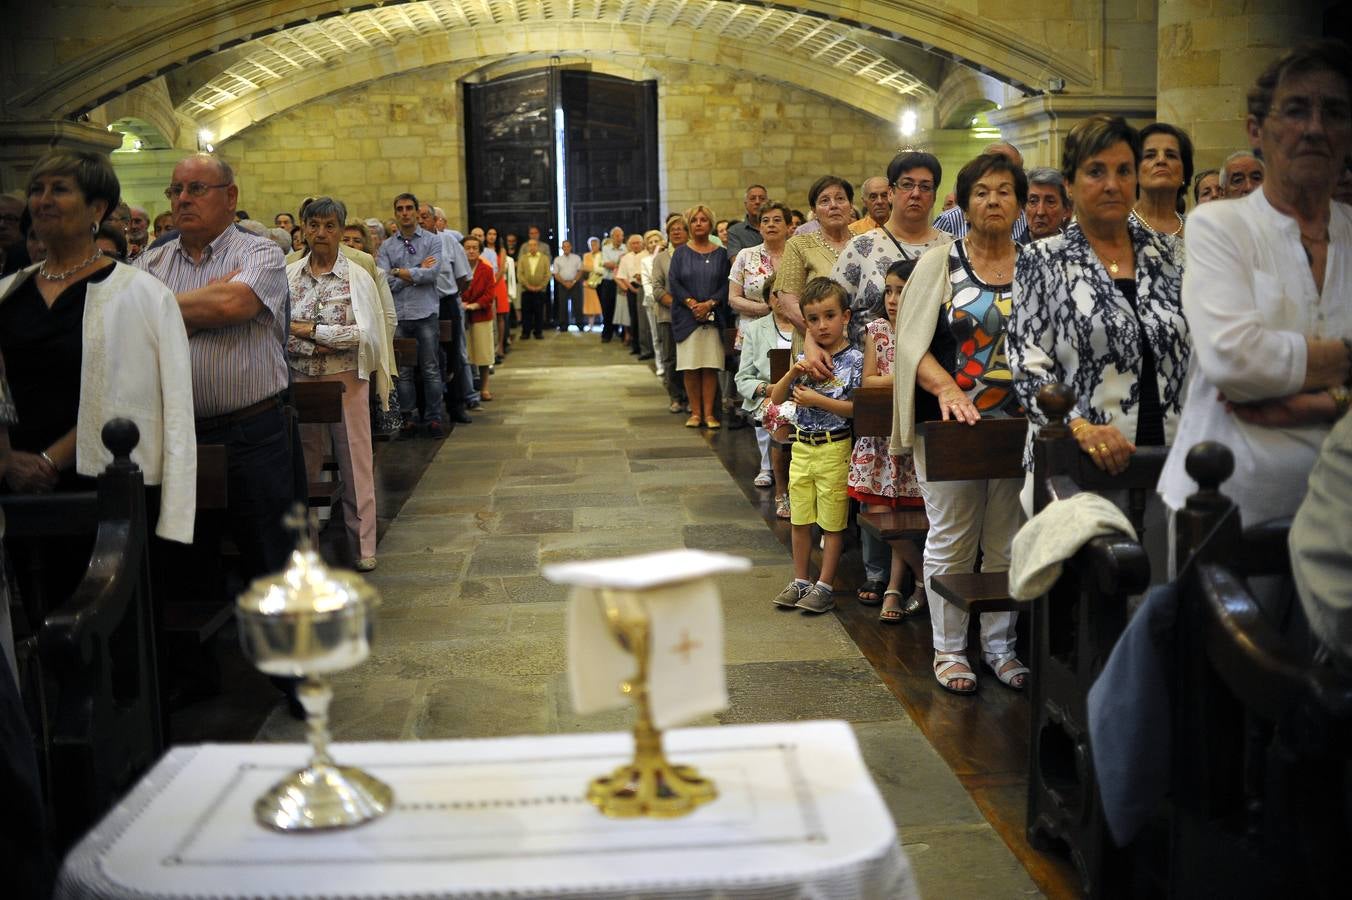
(963, 516)
(763, 441)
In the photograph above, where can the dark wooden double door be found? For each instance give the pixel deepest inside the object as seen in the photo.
(609, 154)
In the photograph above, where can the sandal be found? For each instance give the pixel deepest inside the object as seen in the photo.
(945, 663)
(693, 422)
(712, 424)
(918, 603)
(764, 479)
(873, 586)
(675, 407)
(782, 506)
(1007, 668)
(891, 615)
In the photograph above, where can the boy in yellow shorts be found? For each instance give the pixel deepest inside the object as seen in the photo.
(822, 444)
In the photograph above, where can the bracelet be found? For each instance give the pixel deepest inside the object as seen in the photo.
(1342, 399)
(1078, 428)
(50, 461)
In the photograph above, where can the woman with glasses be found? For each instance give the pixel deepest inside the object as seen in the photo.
(1265, 294)
(87, 339)
(913, 179)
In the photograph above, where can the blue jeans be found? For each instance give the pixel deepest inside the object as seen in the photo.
(427, 333)
(457, 356)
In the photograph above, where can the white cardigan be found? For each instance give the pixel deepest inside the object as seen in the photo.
(135, 364)
(373, 355)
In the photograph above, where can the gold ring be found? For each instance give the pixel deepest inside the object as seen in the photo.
(1092, 450)
(1103, 448)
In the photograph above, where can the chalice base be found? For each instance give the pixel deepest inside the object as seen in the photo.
(651, 787)
(322, 796)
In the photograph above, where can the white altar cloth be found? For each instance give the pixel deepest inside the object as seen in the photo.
(797, 817)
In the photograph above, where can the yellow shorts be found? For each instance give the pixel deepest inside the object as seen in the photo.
(817, 476)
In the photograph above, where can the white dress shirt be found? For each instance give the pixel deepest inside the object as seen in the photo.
(1251, 302)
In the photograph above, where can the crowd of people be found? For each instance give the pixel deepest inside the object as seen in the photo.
(1097, 274)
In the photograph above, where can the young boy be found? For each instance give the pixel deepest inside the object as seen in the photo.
(822, 444)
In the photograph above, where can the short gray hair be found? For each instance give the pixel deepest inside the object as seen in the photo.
(1241, 154)
(376, 228)
(227, 173)
(253, 226)
(438, 212)
(324, 207)
(282, 237)
(1045, 176)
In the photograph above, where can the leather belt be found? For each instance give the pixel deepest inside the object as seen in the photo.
(211, 423)
(822, 437)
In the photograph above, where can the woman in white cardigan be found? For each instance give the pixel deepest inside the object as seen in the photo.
(338, 334)
(87, 340)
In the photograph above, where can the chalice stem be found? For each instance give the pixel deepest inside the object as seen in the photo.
(315, 695)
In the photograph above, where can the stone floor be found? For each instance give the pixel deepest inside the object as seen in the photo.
(578, 458)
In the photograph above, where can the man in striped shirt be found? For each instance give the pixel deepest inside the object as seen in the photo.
(232, 291)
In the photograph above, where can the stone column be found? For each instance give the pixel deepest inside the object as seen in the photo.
(23, 142)
(1038, 125)
(1210, 52)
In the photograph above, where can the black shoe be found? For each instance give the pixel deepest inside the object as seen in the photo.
(525, 335)
(473, 404)
(539, 335)
(460, 417)
(645, 356)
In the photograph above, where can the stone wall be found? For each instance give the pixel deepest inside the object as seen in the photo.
(718, 133)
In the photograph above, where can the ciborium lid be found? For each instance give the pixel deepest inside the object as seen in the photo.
(306, 586)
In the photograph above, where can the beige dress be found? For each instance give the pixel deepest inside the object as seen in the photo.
(806, 256)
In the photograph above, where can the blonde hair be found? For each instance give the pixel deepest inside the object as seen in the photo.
(700, 208)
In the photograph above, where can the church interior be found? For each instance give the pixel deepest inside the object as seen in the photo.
(573, 117)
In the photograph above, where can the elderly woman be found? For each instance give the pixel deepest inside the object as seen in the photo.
(913, 179)
(678, 232)
(480, 303)
(1206, 186)
(814, 255)
(698, 283)
(629, 279)
(1099, 309)
(356, 236)
(338, 335)
(1165, 173)
(591, 268)
(950, 364)
(653, 244)
(68, 326)
(1266, 291)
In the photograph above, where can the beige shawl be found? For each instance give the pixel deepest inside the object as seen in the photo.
(926, 291)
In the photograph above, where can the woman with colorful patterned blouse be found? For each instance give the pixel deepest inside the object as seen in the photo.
(951, 364)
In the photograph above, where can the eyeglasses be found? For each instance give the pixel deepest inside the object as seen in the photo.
(1299, 111)
(906, 185)
(194, 189)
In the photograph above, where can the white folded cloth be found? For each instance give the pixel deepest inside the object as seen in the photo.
(1055, 535)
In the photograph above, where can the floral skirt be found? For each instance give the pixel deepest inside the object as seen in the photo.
(876, 476)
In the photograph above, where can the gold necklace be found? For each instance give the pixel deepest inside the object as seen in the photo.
(999, 273)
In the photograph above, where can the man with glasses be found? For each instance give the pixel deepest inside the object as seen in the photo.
(954, 220)
(412, 258)
(1241, 174)
(913, 179)
(232, 291)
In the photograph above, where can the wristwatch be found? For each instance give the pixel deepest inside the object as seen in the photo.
(1342, 399)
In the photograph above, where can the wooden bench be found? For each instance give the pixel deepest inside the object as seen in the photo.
(198, 620)
(1262, 737)
(1073, 628)
(405, 352)
(320, 403)
(99, 726)
(779, 364)
(873, 418)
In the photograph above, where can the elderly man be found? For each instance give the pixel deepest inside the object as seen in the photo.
(1048, 206)
(954, 220)
(532, 273)
(1241, 174)
(877, 203)
(746, 233)
(231, 288)
(452, 278)
(138, 231)
(411, 258)
(567, 270)
(611, 253)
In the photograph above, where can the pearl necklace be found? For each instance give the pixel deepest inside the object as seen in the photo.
(1153, 230)
(62, 276)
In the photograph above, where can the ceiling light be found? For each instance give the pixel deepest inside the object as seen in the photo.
(205, 135)
(908, 123)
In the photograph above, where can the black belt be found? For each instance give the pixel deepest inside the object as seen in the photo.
(822, 437)
(211, 423)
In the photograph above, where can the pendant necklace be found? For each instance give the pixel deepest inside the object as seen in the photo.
(62, 276)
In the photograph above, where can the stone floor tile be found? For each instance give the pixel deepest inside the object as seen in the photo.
(797, 690)
(470, 706)
(533, 521)
(506, 555)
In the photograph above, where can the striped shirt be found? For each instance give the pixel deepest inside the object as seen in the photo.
(237, 365)
(954, 221)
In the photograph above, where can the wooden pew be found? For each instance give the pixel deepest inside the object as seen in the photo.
(320, 403)
(1262, 731)
(405, 352)
(873, 418)
(1073, 629)
(779, 364)
(197, 620)
(101, 727)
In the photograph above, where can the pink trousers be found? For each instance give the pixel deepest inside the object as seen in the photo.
(352, 449)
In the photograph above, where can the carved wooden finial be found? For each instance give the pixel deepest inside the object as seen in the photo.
(1056, 401)
(121, 436)
(1210, 464)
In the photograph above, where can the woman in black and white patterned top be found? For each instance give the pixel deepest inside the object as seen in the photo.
(1099, 307)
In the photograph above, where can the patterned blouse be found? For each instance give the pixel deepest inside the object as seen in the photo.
(875, 474)
(862, 271)
(1071, 324)
(325, 300)
(806, 256)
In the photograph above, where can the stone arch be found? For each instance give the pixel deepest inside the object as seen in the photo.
(1016, 46)
(622, 47)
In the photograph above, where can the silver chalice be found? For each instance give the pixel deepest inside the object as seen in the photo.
(308, 622)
